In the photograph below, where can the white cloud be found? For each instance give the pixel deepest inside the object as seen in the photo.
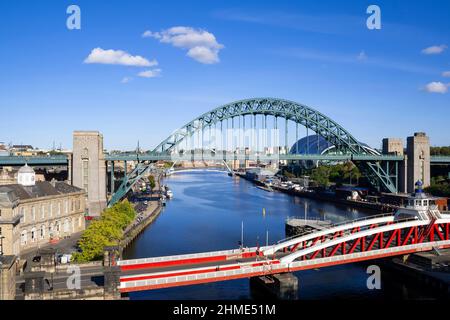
(446, 74)
(436, 87)
(118, 57)
(434, 49)
(150, 73)
(362, 56)
(126, 80)
(202, 45)
(149, 34)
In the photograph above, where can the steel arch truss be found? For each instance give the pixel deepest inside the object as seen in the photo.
(347, 242)
(301, 114)
(377, 172)
(128, 182)
(378, 176)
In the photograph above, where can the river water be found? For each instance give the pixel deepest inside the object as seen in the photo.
(206, 214)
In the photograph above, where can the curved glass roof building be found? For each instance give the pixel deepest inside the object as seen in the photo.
(313, 144)
(316, 144)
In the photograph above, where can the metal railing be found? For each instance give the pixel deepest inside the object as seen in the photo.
(273, 268)
(335, 225)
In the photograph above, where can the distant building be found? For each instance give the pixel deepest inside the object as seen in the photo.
(318, 145)
(4, 151)
(23, 150)
(32, 213)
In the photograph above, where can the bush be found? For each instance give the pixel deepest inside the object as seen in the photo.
(106, 231)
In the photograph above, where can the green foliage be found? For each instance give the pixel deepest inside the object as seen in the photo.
(440, 189)
(339, 174)
(106, 231)
(321, 175)
(168, 165)
(440, 151)
(151, 181)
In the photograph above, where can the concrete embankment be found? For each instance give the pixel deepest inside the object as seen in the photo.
(137, 229)
(152, 212)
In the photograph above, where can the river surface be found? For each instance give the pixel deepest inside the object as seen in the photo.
(206, 214)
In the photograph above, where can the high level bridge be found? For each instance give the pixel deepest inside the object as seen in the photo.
(260, 130)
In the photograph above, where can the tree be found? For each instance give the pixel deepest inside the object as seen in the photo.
(106, 231)
(321, 175)
(151, 181)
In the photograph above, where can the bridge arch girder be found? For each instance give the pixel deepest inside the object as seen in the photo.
(301, 114)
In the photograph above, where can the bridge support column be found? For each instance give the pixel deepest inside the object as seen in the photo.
(112, 179)
(34, 285)
(89, 168)
(112, 283)
(418, 151)
(281, 286)
(111, 273)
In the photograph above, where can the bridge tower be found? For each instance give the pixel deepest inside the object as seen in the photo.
(89, 169)
(418, 152)
(395, 147)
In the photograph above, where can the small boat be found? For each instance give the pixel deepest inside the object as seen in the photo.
(265, 188)
(169, 194)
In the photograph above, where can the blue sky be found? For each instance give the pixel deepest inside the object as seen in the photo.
(375, 83)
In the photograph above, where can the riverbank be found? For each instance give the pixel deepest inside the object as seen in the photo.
(375, 207)
(153, 210)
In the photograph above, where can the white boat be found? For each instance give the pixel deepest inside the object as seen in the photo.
(169, 194)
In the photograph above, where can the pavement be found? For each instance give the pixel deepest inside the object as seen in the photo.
(67, 245)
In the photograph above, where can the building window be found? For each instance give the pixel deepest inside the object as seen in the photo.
(66, 225)
(66, 206)
(86, 175)
(42, 212)
(23, 237)
(33, 235)
(50, 209)
(59, 208)
(42, 233)
(33, 213)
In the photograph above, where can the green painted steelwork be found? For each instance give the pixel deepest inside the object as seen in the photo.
(63, 160)
(34, 160)
(300, 114)
(306, 116)
(128, 182)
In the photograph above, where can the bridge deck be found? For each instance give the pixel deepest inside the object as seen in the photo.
(355, 241)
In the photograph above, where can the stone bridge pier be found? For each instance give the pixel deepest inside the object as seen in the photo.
(282, 286)
(89, 169)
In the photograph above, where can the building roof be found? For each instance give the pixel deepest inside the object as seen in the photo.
(314, 144)
(12, 192)
(26, 169)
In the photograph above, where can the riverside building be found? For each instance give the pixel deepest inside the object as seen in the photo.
(32, 213)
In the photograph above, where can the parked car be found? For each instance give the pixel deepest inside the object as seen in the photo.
(64, 258)
(37, 259)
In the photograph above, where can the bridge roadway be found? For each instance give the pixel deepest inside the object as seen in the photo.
(207, 156)
(196, 268)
